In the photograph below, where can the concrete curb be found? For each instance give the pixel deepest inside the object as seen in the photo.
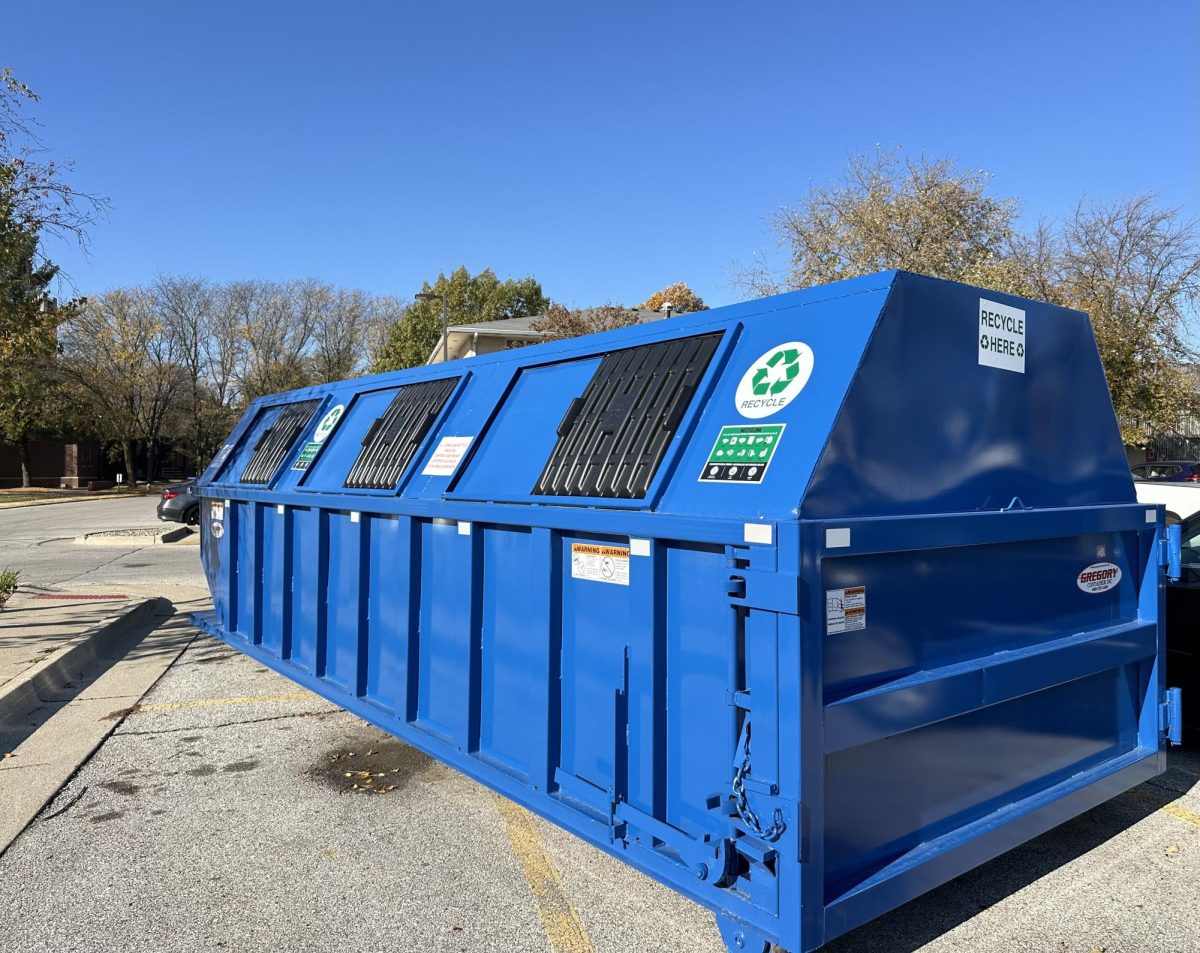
(49, 679)
(160, 538)
(73, 499)
(51, 755)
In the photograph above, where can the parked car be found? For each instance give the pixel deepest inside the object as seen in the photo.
(1174, 470)
(1183, 630)
(1182, 500)
(179, 503)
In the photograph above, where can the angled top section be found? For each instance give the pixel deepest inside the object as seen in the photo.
(884, 395)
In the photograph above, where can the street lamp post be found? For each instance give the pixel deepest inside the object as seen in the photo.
(434, 296)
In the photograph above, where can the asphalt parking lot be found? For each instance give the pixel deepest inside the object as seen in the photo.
(232, 810)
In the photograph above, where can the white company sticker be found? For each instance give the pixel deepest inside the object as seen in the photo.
(1099, 577)
(447, 456)
(216, 511)
(773, 380)
(600, 563)
(845, 610)
(1001, 336)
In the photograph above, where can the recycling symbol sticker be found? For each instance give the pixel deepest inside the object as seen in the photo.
(328, 422)
(775, 379)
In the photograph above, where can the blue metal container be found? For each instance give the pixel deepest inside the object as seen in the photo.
(802, 606)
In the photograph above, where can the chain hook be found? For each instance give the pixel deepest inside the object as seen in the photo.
(742, 802)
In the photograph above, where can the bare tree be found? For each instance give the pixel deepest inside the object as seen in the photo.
(34, 192)
(340, 330)
(890, 211)
(275, 337)
(119, 359)
(1134, 266)
(383, 313)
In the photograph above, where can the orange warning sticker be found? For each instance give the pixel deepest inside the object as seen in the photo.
(598, 563)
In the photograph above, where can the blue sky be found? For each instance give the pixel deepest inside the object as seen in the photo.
(606, 148)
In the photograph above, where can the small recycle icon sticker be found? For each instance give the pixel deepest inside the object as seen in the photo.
(776, 376)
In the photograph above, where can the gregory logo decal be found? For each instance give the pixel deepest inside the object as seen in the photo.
(773, 380)
(1099, 577)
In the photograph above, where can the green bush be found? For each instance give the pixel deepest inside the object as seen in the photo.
(8, 583)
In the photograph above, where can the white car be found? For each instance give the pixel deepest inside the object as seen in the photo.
(1181, 499)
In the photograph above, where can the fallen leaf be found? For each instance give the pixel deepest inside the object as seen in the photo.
(1172, 850)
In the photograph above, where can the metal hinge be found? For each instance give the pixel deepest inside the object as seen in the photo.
(1170, 716)
(1170, 551)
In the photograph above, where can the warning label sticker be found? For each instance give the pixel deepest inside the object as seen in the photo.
(447, 456)
(1001, 336)
(742, 454)
(845, 610)
(216, 510)
(600, 563)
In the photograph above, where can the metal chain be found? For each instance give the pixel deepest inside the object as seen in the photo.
(742, 802)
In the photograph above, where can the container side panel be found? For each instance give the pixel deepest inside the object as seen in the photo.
(248, 519)
(343, 608)
(306, 595)
(596, 620)
(215, 542)
(276, 569)
(701, 664)
(646, 683)
(885, 798)
(512, 655)
(446, 623)
(928, 428)
(391, 631)
(934, 607)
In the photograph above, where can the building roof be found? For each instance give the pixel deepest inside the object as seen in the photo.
(513, 329)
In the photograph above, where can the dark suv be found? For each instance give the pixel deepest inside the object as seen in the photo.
(1178, 471)
(179, 503)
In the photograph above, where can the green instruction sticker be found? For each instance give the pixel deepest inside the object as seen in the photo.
(742, 454)
(307, 455)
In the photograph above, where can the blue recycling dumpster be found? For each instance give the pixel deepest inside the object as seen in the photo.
(801, 606)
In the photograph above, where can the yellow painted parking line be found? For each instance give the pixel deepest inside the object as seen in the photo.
(244, 700)
(564, 929)
(1175, 809)
(1184, 814)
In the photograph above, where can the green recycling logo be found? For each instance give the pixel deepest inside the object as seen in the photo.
(328, 422)
(777, 374)
(774, 380)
